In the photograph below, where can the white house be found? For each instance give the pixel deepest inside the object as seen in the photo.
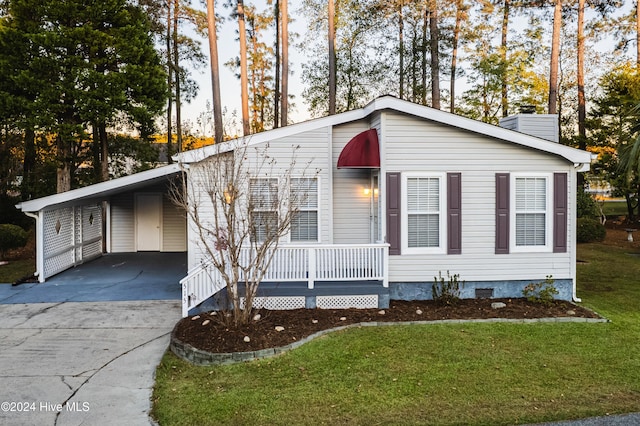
(402, 192)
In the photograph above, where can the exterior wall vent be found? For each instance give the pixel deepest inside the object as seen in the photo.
(543, 126)
(484, 293)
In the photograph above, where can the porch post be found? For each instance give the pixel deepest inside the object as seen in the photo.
(312, 267)
(385, 266)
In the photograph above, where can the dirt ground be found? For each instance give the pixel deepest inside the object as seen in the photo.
(209, 332)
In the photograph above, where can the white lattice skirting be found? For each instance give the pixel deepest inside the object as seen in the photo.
(363, 301)
(277, 303)
(322, 302)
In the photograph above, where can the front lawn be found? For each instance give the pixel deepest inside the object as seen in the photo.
(434, 374)
(16, 269)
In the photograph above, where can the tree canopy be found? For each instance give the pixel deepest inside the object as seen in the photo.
(75, 67)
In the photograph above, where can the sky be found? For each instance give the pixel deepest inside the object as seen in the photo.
(228, 48)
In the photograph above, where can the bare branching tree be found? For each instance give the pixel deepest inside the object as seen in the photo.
(241, 203)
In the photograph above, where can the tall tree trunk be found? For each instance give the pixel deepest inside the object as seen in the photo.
(503, 46)
(401, 48)
(97, 162)
(256, 124)
(332, 59)
(285, 62)
(425, 24)
(27, 186)
(169, 84)
(246, 129)
(276, 79)
(104, 152)
(63, 174)
(454, 56)
(638, 33)
(176, 70)
(414, 63)
(435, 53)
(582, 108)
(215, 72)
(582, 136)
(555, 55)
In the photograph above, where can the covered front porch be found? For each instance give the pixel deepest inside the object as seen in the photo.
(304, 276)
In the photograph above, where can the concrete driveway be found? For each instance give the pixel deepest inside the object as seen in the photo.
(66, 362)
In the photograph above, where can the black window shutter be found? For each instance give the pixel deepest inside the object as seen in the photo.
(454, 213)
(502, 213)
(393, 212)
(560, 212)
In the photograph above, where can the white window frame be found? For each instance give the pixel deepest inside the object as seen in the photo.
(316, 209)
(548, 223)
(442, 235)
(276, 209)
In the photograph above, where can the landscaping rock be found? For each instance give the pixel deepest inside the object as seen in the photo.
(257, 317)
(419, 311)
(314, 321)
(195, 318)
(247, 339)
(279, 328)
(498, 305)
(343, 318)
(205, 322)
(571, 312)
(382, 312)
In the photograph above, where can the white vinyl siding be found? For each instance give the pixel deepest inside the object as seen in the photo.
(530, 222)
(301, 155)
(174, 232)
(123, 230)
(304, 196)
(174, 226)
(351, 207)
(416, 146)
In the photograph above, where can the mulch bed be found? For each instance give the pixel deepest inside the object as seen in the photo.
(211, 331)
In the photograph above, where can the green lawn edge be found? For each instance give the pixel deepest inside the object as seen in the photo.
(476, 373)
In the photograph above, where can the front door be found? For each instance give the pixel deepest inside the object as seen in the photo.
(148, 222)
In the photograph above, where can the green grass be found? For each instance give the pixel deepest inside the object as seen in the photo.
(16, 269)
(615, 208)
(494, 374)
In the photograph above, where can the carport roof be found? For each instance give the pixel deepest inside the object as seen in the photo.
(100, 191)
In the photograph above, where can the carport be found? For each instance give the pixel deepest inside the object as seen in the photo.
(112, 277)
(125, 215)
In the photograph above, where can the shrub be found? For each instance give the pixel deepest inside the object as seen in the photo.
(585, 204)
(589, 230)
(446, 292)
(11, 236)
(543, 292)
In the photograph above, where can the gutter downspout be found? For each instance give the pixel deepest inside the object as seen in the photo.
(39, 245)
(579, 167)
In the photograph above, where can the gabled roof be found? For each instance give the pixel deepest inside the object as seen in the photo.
(573, 155)
(100, 191)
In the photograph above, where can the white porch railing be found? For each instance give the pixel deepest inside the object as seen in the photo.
(310, 263)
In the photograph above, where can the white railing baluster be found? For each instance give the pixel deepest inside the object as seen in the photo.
(297, 263)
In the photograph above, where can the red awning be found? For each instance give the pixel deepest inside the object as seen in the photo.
(361, 152)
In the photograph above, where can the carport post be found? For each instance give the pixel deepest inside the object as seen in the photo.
(39, 217)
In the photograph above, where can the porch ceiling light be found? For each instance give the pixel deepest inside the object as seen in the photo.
(229, 194)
